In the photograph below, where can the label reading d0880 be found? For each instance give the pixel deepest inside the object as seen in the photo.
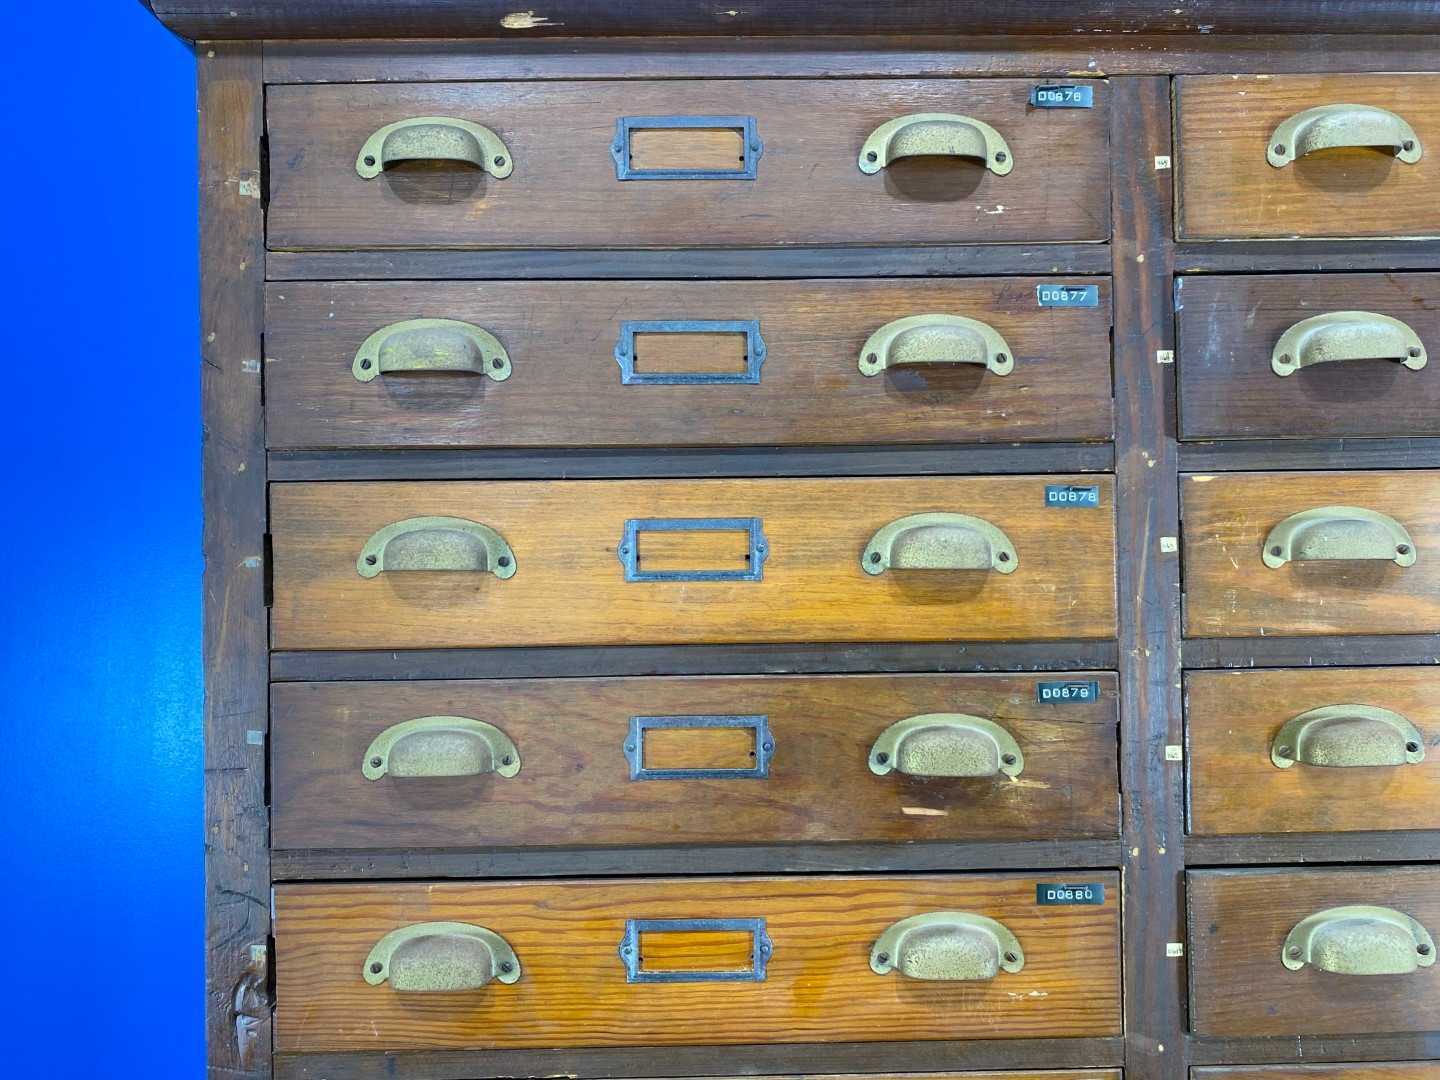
(1089, 893)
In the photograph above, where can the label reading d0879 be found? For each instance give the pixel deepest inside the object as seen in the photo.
(1076, 690)
(1089, 893)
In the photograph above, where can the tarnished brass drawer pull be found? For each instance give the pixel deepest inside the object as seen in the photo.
(1348, 736)
(438, 957)
(923, 340)
(434, 138)
(1359, 940)
(1330, 533)
(1329, 126)
(1347, 335)
(947, 946)
(441, 746)
(436, 544)
(935, 134)
(939, 542)
(946, 744)
(431, 345)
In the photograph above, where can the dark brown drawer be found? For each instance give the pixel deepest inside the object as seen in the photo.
(661, 363)
(690, 562)
(563, 187)
(1364, 560)
(1312, 750)
(1278, 934)
(1345, 342)
(1229, 129)
(737, 760)
(712, 961)
(1383, 1070)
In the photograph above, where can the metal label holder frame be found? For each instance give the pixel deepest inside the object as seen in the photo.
(624, 125)
(754, 352)
(629, 550)
(639, 725)
(630, 949)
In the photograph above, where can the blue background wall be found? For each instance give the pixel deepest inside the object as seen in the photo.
(101, 683)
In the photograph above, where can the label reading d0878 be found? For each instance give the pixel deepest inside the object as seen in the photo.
(1072, 494)
(1089, 893)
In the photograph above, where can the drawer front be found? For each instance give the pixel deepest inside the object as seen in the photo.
(1343, 341)
(721, 363)
(1383, 1070)
(771, 759)
(1245, 924)
(1334, 579)
(1230, 126)
(815, 984)
(694, 561)
(1313, 750)
(807, 185)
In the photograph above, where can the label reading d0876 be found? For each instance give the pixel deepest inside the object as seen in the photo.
(1089, 893)
(1067, 295)
(1062, 97)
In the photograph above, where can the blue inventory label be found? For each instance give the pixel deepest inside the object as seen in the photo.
(1062, 97)
(1092, 893)
(1072, 494)
(1048, 693)
(1068, 295)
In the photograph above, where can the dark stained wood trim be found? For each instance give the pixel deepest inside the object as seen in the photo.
(1313, 1049)
(761, 1059)
(1304, 256)
(235, 637)
(229, 19)
(699, 264)
(927, 56)
(1146, 467)
(1374, 847)
(940, 460)
(1261, 455)
(691, 660)
(692, 859)
(1353, 651)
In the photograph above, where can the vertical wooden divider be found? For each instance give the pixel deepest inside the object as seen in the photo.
(237, 858)
(1147, 494)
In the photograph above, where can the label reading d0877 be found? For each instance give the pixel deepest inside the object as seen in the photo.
(1089, 893)
(1067, 295)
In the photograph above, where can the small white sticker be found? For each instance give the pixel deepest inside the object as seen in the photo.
(1164, 356)
(1162, 161)
(1174, 949)
(1169, 543)
(1174, 753)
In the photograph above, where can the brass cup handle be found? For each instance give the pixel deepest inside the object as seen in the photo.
(1347, 736)
(434, 138)
(431, 345)
(936, 134)
(1331, 533)
(436, 544)
(923, 340)
(438, 957)
(1329, 126)
(441, 746)
(939, 542)
(946, 744)
(1347, 335)
(947, 946)
(1359, 940)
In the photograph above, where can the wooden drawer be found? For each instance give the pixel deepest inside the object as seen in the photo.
(564, 191)
(769, 759)
(1382, 1070)
(766, 363)
(817, 986)
(784, 566)
(1226, 133)
(1238, 724)
(1242, 922)
(1230, 337)
(1230, 591)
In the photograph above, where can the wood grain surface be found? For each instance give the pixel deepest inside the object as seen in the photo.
(566, 389)
(1228, 327)
(1229, 190)
(573, 991)
(1230, 592)
(1238, 923)
(1232, 718)
(569, 587)
(1385, 1070)
(564, 193)
(574, 785)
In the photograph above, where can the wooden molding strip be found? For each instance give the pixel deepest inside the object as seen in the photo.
(1317, 651)
(1374, 847)
(1313, 1049)
(1259, 455)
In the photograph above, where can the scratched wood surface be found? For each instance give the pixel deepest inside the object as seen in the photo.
(565, 389)
(564, 193)
(1383, 1070)
(1228, 189)
(1230, 592)
(573, 990)
(574, 785)
(569, 587)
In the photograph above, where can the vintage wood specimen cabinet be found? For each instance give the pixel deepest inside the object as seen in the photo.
(848, 540)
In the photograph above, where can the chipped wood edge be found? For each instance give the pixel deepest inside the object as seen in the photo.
(239, 999)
